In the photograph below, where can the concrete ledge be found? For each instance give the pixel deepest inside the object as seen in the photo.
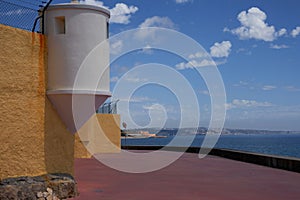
(279, 162)
(48, 186)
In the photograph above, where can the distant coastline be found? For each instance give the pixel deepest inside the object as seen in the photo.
(279, 143)
(155, 132)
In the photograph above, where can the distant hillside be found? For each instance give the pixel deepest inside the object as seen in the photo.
(203, 130)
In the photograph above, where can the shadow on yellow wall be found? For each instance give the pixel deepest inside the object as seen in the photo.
(58, 143)
(100, 134)
(33, 139)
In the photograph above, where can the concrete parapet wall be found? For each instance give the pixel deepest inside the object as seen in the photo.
(286, 163)
(279, 162)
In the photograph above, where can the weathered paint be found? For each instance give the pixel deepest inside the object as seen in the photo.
(33, 139)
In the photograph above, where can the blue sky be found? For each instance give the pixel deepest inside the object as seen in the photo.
(256, 45)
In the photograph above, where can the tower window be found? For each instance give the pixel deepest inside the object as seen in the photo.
(60, 25)
(107, 30)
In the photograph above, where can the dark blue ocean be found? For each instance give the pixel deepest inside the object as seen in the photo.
(273, 144)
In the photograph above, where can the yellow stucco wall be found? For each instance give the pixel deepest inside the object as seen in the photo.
(101, 134)
(110, 139)
(58, 143)
(33, 140)
(80, 150)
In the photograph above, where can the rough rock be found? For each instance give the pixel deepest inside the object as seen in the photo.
(45, 187)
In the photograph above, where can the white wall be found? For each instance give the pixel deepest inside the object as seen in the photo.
(85, 28)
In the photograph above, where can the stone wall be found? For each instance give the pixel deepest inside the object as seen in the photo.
(48, 186)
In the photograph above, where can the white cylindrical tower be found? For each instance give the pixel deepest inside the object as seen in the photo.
(73, 31)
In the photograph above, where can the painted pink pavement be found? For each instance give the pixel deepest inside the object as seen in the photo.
(211, 178)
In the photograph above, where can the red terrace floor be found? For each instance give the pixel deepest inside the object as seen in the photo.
(188, 178)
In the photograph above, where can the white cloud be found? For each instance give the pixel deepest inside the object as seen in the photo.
(93, 2)
(138, 99)
(182, 1)
(114, 79)
(198, 59)
(275, 46)
(134, 79)
(160, 107)
(253, 26)
(220, 50)
(205, 92)
(141, 99)
(194, 63)
(237, 103)
(182, 66)
(292, 88)
(199, 54)
(158, 115)
(16, 12)
(268, 87)
(241, 50)
(157, 21)
(281, 32)
(120, 14)
(116, 47)
(241, 84)
(244, 51)
(147, 50)
(119, 70)
(295, 32)
(153, 107)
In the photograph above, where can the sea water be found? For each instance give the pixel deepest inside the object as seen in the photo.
(273, 144)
